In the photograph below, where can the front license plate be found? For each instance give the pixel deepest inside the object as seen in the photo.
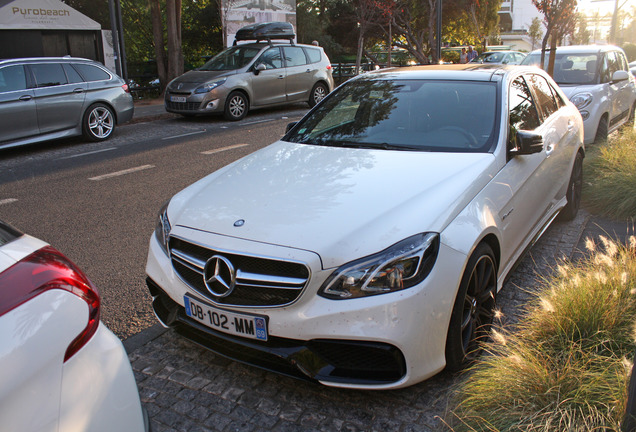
(177, 98)
(249, 326)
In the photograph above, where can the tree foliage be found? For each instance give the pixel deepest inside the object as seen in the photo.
(559, 17)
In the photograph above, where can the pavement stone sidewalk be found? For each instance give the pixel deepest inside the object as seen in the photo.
(188, 388)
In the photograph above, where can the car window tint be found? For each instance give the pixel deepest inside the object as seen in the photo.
(542, 91)
(271, 59)
(313, 54)
(71, 74)
(523, 113)
(426, 115)
(48, 74)
(12, 78)
(91, 73)
(294, 56)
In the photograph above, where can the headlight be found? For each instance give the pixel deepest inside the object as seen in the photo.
(209, 86)
(162, 230)
(398, 267)
(581, 100)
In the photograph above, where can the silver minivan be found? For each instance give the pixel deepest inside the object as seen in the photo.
(251, 75)
(48, 98)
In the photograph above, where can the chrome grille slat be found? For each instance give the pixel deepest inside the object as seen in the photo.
(260, 281)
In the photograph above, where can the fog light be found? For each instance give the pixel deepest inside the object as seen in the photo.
(585, 115)
(212, 105)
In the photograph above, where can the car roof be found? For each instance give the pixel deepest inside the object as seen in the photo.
(458, 72)
(46, 59)
(582, 49)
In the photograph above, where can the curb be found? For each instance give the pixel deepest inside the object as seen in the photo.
(142, 338)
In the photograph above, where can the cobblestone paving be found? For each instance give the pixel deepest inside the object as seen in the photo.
(187, 388)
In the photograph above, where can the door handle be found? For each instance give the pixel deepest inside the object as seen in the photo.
(281, 77)
(570, 125)
(549, 149)
(26, 98)
(78, 90)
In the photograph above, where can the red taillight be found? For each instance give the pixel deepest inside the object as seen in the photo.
(44, 270)
(328, 67)
(126, 88)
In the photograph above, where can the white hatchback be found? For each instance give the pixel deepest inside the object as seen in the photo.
(597, 80)
(61, 369)
(366, 247)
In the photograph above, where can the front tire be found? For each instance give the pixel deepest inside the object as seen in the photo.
(98, 123)
(474, 309)
(602, 131)
(236, 106)
(574, 190)
(318, 93)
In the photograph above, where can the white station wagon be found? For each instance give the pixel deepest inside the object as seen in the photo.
(365, 248)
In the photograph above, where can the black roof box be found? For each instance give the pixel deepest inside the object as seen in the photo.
(266, 31)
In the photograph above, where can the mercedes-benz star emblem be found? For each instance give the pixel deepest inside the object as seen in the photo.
(219, 276)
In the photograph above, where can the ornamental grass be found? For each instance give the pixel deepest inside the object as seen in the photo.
(567, 366)
(610, 176)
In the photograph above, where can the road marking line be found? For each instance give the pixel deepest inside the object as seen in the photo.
(256, 122)
(183, 135)
(88, 153)
(123, 172)
(8, 201)
(222, 149)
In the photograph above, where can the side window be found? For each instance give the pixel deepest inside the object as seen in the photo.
(622, 61)
(271, 59)
(313, 54)
(542, 91)
(48, 74)
(294, 56)
(522, 113)
(12, 78)
(90, 72)
(559, 100)
(605, 69)
(71, 74)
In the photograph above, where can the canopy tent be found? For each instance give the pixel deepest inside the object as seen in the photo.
(47, 28)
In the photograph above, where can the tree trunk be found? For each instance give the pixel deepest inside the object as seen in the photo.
(553, 46)
(157, 36)
(173, 41)
(360, 46)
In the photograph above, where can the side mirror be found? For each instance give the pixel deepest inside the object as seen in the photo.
(290, 126)
(527, 143)
(620, 75)
(259, 68)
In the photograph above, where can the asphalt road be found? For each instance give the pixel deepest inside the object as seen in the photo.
(97, 202)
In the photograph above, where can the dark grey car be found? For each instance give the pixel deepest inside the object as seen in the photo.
(252, 75)
(49, 98)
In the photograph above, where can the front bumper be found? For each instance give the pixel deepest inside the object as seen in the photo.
(194, 104)
(379, 342)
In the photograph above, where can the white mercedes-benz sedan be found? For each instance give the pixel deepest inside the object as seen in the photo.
(365, 248)
(61, 369)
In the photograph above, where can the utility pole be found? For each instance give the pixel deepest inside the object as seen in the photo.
(438, 47)
(118, 38)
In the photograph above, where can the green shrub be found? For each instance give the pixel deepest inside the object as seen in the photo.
(610, 177)
(566, 367)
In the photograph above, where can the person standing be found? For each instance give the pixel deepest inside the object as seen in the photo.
(471, 54)
(463, 56)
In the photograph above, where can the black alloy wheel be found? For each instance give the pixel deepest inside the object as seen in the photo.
(575, 189)
(474, 309)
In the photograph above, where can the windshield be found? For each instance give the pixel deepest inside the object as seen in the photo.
(420, 115)
(231, 59)
(580, 68)
(495, 57)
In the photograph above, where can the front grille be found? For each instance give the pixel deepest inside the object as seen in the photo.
(183, 106)
(263, 282)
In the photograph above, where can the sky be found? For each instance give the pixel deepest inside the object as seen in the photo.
(604, 7)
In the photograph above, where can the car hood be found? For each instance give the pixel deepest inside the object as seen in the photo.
(340, 203)
(571, 89)
(194, 78)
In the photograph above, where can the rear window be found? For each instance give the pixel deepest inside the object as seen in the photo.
(91, 73)
(313, 54)
(48, 74)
